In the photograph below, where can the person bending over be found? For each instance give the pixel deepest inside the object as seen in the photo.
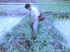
(34, 12)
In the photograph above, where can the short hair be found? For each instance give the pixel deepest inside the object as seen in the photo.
(27, 6)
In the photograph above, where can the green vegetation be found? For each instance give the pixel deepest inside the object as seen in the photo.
(49, 39)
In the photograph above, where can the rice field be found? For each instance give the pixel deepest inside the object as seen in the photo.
(17, 31)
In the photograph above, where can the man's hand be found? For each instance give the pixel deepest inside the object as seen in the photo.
(41, 17)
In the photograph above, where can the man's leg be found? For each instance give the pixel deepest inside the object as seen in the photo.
(35, 28)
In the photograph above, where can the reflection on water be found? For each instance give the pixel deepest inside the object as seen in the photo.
(7, 23)
(63, 26)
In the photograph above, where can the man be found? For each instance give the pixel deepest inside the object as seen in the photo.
(34, 12)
